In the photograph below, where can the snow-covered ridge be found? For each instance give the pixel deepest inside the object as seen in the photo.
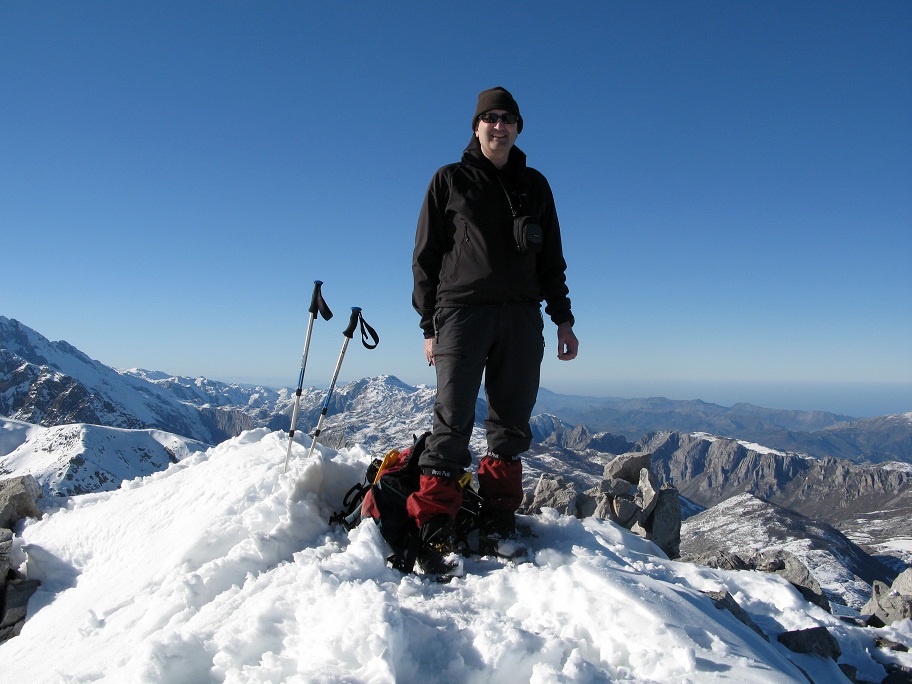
(760, 449)
(752, 446)
(223, 568)
(79, 458)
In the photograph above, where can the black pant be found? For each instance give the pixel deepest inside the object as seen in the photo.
(505, 344)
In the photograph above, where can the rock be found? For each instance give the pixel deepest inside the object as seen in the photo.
(628, 466)
(886, 606)
(850, 672)
(816, 641)
(587, 503)
(604, 510)
(788, 566)
(723, 560)
(554, 493)
(616, 487)
(779, 561)
(724, 601)
(18, 499)
(15, 603)
(897, 674)
(665, 528)
(890, 645)
(625, 512)
(647, 492)
(902, 585)
(6, 552)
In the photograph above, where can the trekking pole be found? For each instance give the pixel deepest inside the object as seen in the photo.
(366, 331)
(317, 304)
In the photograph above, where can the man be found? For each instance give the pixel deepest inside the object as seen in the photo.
(487, 252)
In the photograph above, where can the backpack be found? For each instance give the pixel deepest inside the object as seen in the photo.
(387, 485)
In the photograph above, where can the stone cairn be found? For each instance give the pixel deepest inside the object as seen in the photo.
(18, 500)
(628, 495)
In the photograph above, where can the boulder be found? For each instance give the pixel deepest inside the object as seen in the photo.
(604, 509)
(723, 560)
(885, 606)
(617, 487)
(18, 499)
(897, 674)
(587, 503)
(553, 492)
(625, 512)
(647, 493)
(815, 641)
(6, 553)
(665, 525)
(628, 466)
(724, 601)
(902, 585)
(788, 566)
(15, 604)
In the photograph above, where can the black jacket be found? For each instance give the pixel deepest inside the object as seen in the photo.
(465, 254)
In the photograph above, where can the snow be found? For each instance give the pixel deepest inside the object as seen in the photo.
(77, 458)
(222, 568)
(752, 446)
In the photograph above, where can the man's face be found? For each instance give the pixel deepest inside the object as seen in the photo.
(496, 138)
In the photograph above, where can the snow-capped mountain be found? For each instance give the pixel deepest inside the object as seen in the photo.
(873, 505)
(745, 522)
(77, 458)
(50, 383)
(53, 383)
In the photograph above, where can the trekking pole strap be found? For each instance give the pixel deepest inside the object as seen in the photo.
(367, 332)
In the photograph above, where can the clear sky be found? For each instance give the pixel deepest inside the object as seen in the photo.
(733, 179)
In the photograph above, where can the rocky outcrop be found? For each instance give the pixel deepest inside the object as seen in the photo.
(18, 499)
(629, 495)
(708, 470)
(889, 604)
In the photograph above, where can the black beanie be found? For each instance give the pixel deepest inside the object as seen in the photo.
(496, 98)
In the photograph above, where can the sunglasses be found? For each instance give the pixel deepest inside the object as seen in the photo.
(492, 118)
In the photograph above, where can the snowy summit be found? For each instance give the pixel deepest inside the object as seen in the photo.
(222, 568)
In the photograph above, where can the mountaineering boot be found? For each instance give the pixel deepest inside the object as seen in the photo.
(436, 556)
(497, 534)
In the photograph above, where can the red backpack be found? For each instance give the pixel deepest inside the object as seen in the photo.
(387, 485)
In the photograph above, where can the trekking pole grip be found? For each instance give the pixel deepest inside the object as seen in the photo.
(317, 303)
(349, 332)
(367, 332)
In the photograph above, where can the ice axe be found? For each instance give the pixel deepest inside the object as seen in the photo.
(317, 304)
(348, 333)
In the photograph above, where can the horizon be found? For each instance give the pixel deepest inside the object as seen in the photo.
(731, 179)
(869, 399)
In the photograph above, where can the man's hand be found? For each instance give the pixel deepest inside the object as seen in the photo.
(567, 344)
(429, 350)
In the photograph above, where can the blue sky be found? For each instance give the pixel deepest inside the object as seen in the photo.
(733, 179)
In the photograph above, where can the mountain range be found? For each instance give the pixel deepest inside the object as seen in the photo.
(80, 426)
(51, 383)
